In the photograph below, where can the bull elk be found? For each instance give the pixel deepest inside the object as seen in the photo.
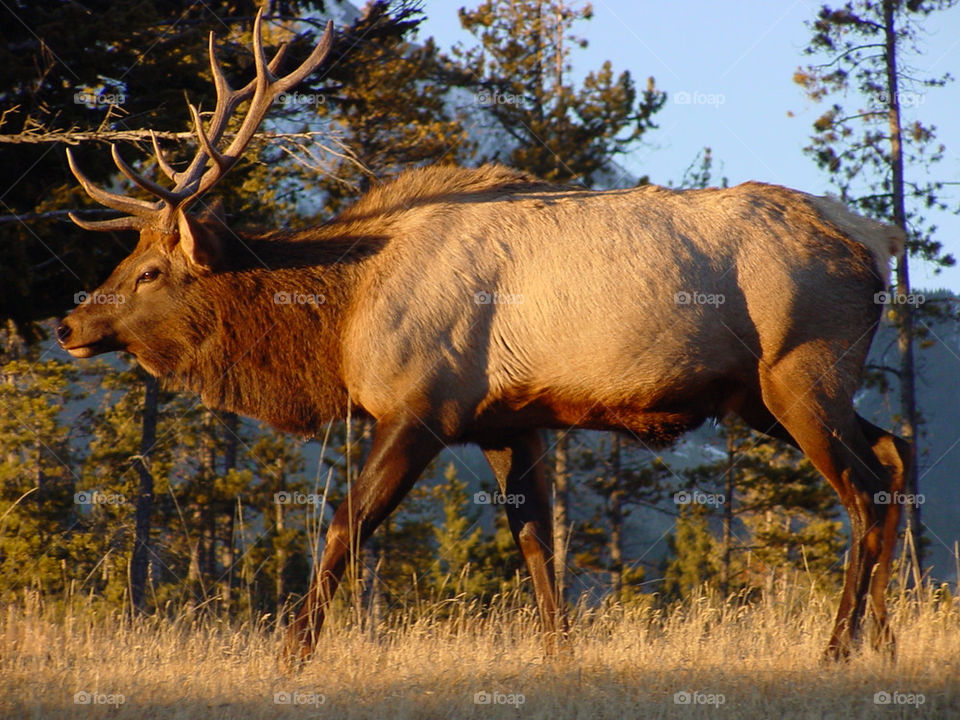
(482, 305)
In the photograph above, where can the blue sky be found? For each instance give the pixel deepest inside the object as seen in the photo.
(737, 60)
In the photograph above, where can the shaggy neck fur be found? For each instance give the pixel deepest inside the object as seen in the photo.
(261, 335)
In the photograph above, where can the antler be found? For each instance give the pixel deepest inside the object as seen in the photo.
(197, 179)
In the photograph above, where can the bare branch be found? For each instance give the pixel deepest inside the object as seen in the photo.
(107, 137)
(75, 137)
(842, 55)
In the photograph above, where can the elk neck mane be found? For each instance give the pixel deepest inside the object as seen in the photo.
(434, 185)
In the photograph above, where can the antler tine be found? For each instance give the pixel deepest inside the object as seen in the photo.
(145, 183)
(133, 206)
(121, 223)
(267, 87)
(165, 166)
(318, 55)
(206, 144)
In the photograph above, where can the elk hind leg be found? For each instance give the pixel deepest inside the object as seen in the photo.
(814, 405)
(894, 454)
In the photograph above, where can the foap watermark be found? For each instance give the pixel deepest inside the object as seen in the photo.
(498, 498)
(83, 697)
(696, 497)
(299, 298)
(297, 98)
(497, 298)
(904, 99)
(699, 98)
(97, 298)
(99, 98)
(898, 498)
(297, 697)
(486, 97)
(693, 697)
(894, 298)
(97, 497)
(288, 497)
(896, 697)
(498, 698)
(698, 298)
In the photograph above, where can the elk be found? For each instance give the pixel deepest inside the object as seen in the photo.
(483, 305)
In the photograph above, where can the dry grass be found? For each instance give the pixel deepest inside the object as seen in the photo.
(762, 659)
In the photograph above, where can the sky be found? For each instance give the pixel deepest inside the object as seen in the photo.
(734, 63)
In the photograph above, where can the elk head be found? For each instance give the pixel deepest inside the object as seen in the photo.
(176, 247)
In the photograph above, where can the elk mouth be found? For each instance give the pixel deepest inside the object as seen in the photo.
(80, 349)
(89, 350)
(72, 340)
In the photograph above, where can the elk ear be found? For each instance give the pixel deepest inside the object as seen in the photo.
(199, 242)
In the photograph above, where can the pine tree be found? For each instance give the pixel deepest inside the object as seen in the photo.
(40, 547)
(520, 76)
(116, 464)
(777, 514)
(459, 538)
(389, 102)
(622, 478)
(280, 499)
(880, 160)
(692, 554)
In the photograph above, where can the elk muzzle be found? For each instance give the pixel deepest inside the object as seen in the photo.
(86, 337)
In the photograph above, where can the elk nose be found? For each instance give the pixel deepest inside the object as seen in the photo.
(63, 332)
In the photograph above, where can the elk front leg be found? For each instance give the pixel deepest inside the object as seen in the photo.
(402, 447)
(516, 462)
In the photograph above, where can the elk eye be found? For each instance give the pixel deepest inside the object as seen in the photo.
(148, 276)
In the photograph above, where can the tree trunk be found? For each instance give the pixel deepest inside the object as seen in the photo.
(279, 548)
(378, 551)
(373, 554)
(728, 488)
(227, 559)
(558, 68)
(231, 424)
(903, 310)
(140, 559)
(561, 500)
(615, 517)
(207, 508)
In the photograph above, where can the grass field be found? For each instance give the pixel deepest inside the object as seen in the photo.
(708, 659)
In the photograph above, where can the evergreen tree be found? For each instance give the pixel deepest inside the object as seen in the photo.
(459, 538)
(622, 477)
(880, 155)
(42, 543)
(115, 464)
(389, 103)
(286, 506)
(777, 514)
(520, 76)
(692, 554)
